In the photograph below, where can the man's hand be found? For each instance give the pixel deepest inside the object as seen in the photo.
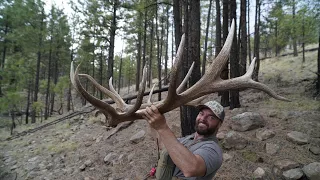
(156, 120)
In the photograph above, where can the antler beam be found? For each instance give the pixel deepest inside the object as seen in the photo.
(209, 83)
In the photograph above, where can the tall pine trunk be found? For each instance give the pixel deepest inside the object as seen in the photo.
(218, 28)
(225, 72)
(139, 52)
(177, 22)
(4, 51)
(120, 72)
(204, 60)
(160, 56)
(167, 47)
(257, 41)
(318, 83)
(294, 37)
(36, 86)
(144, 40)
(249, 40)
(191, 54)
(151, 56)
(234, 59)
(243, 38)
(28, 101)
(46, 110)
(113, 29)
(303, 41)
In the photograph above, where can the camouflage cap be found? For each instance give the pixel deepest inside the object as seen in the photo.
(215, 107)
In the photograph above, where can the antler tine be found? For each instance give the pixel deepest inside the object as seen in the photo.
(185, 80)
(172, 92)
(202, 88)
(72, 76)
(209, 83)
(138, 103)
(260, 86)
(150, 94)
(251, 68)
(244, 81)
(219, 62)
(104, 107)
(118, 100)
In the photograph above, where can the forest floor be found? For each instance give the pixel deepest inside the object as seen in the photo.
(77, 148)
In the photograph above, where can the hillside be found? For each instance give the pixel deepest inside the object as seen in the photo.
(82, 148)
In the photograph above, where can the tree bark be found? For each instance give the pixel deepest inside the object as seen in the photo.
(192, 53)
(36, 86)
(249, 40)
(218, 28)
(28, 102)
(294, 37)
(318, 83)
(225, 72)
(234, 59)
(158, 53)
(119, 78)
(243, 38)
(113, 29)
(276, 36)
(144, 40)
(177, 22)
(4, 51)
(303, 42)
(139, 52)
(13, 124)
(206, 40)
(160, 56)
(46, 110)
(166, 46)
(257, 41)
(151, 55)
(101, 73)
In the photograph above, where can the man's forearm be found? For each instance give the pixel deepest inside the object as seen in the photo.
(180, 155)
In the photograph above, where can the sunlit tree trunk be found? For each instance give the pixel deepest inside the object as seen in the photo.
(218, 27)
(36, 86)
(257, 41)
(204, 60)
(113, 29)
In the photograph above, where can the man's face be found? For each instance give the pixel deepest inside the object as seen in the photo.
(207, 123)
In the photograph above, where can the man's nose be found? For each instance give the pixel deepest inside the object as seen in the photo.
(202, 118)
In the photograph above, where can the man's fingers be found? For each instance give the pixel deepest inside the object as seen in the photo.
(147, 115)
(149, 111)
(154, 109)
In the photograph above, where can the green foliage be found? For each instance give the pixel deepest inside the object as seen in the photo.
(38, 107)
(281, 26)
(10, 101)
(61, 87)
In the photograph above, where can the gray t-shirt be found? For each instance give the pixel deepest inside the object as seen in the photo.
(209, 150)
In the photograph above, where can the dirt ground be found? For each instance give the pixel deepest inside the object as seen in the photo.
(58, 151)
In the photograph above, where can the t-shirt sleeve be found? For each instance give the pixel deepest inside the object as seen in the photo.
(212, 157)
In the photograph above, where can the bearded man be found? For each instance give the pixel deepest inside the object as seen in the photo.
(194, 157)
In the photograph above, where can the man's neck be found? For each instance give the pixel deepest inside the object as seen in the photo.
(199, 136)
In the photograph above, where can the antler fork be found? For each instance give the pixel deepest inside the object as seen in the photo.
(209, 83)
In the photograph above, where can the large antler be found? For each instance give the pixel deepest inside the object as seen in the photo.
(209, 83)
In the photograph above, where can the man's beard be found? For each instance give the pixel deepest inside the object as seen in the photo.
(205, 132)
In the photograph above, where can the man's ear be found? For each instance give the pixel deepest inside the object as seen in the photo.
(220, 124)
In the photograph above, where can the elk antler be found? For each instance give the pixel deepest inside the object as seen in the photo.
(209, 83)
